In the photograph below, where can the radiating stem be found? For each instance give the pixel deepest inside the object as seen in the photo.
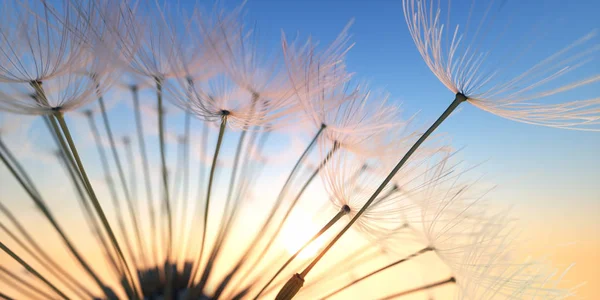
(278, 202)
(97, 206)
(182, 214)
(224, 116)
(420, 252)
(345, 210)
(29, 286)
(146, 170)
(457, 101)
(348, 262)
(421, 288)
(129, 200)
(111, 188)
(185, 181)
(251, 172)
(46, 212)
(226, 220)
(43, 259)
(328, 156)
(223, 221)
(199, 194)
(92, 221)
(32, 270)
(163, 162)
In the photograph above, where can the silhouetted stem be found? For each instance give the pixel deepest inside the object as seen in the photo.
(345, 210)
(32, 270)
(422, 251)
(129, 200)
(97, 207)
(111, 188)
(186, 181)
(29, 286)
(46, 212)
(210, 182)
(90, 218)
(421, 288)
(146, 170)
(328, 156)
(163, 163)
(224, 218)
(457, 101)
(252, 172)
(278, 202)
(43, 258)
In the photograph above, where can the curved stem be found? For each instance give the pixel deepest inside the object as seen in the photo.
(421, 288)
(32, 270)
(182, 215)
(201, 181)
(146, 169)
(422, 251)
(163, 163)
(224, 218)
(209, 190)
(132, 210)
(46, 212)
(112, 190)
(30, 288)
(97, 207)
(457, 101)
(278, 202)
(338, 216)
(292, 205)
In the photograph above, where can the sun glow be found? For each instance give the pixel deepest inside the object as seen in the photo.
(299, 229)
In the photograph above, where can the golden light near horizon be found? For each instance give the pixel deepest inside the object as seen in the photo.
(299, 229)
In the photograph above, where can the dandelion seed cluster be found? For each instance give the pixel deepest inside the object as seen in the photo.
(209, 208)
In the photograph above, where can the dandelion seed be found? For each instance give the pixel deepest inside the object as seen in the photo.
(525, 97)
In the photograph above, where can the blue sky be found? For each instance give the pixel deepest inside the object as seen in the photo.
(533, 166)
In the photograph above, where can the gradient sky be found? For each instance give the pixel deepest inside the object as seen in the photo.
(545, 169)
(550, 175)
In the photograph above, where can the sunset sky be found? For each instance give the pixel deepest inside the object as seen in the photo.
(550, 177)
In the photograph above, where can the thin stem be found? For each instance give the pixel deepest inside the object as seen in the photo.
(186, 180)
(97, 206)
(5, 296)
(90, 218)
(29, 286)
(43, 258)
(123, 180)
(420, 252)
(146, 169)
(345, 210)
(201, 182)
(251, 171)
(331, 152)
(210, 182)
(457, 101)
(348, 262)
(278, 203)
(32, 270)
(421, 288)
(224, 218)
(46, 212)
(163, 162)
(111, 188)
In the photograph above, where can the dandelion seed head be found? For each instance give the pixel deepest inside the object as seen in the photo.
(541, 95)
